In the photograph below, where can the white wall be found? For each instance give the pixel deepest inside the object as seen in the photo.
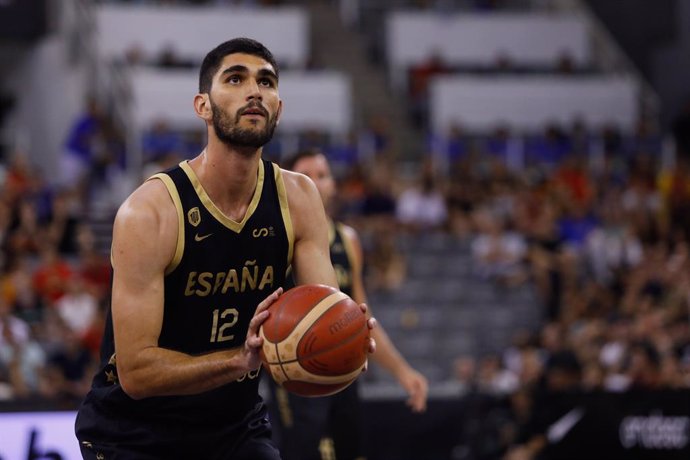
(319, 100)
(532, 38)
(194, 31)
(528, 103)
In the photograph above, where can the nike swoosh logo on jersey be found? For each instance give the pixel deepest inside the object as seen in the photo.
(200, 238)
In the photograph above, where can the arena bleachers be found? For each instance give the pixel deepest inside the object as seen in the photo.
(562, 245)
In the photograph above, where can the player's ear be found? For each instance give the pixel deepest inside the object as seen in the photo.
(279, 112)
(202, 106)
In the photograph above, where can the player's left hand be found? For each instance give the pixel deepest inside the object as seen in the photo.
(371, 324)
(253, 342)
(417, 388)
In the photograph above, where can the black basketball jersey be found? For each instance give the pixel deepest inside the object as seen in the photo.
(220, 272)
(342, 259)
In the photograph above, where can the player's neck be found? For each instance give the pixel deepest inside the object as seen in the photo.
(229, 178)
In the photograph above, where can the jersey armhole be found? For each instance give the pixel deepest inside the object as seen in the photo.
(175, 196)
(285, 211)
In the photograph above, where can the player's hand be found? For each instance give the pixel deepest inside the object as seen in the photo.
(253, 343)
(371, 324)
(417, 388)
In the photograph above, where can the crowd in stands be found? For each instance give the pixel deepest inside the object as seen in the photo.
(53, 288)
(594, 219)
(605, 243)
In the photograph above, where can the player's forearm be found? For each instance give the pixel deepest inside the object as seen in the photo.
(386, 355)
(162, 372)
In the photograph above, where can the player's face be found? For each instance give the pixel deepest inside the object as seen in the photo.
(244, 100)
(317, 169)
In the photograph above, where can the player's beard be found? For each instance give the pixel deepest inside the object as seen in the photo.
(231, 134)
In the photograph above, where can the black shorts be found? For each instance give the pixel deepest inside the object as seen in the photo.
(248, 440)
(305, 427)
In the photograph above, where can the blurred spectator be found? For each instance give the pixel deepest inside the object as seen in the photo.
(422, 207)
(552, 400)
(497, 143)
(69, 369)
(93, 147)
(78, 308)
(612, 247)
(378, 203)
(14, 328)
(549, 148)
(18, 177)
(375, 139)
(344, 153)
(20, 354)
(27, 236)
(63, 222)
(449, 147)
(420, 76)
(645, 366)
(386, 266)
(83, 143)
(498, 254)
(494, 379)
(674, 186)
(565, 65)
(16, 285)
(169, 58)
(51, 276)
(160, 141)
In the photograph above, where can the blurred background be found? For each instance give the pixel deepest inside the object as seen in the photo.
(518, 170)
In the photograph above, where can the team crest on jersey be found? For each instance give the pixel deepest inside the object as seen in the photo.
(194, 216)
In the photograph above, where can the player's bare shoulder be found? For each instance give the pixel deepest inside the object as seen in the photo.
(306, 207)
(147, 217)
(298, 185)
(301, 191)
(148, 204)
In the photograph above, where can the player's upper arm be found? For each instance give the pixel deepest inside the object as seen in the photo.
(144, 242)
(354, 250)
(311, 259)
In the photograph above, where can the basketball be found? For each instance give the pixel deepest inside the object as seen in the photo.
(316, 340)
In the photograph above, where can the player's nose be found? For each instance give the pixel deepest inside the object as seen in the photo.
(254, 92)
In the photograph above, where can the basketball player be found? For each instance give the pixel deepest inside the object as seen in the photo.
(309, 428)
(199, 253)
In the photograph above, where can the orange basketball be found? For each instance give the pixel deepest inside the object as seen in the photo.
(316, 340)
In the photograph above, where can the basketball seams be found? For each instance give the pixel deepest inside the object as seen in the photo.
(346, 340)
(309, 377)
(312, 316)
(286, 299)
(290, 351)
(295, 332)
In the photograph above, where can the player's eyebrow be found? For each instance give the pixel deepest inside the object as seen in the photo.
(269, 74)
(239, 68)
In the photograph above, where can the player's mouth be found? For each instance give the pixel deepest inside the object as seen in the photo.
(255, 111)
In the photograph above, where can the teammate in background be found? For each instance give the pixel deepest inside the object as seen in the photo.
(306, 426)
(192, 281)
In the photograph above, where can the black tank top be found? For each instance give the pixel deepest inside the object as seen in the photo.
(220, 272)
(342, 259)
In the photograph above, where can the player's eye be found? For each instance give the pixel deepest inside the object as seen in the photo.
(267, 82)
(234, 79)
